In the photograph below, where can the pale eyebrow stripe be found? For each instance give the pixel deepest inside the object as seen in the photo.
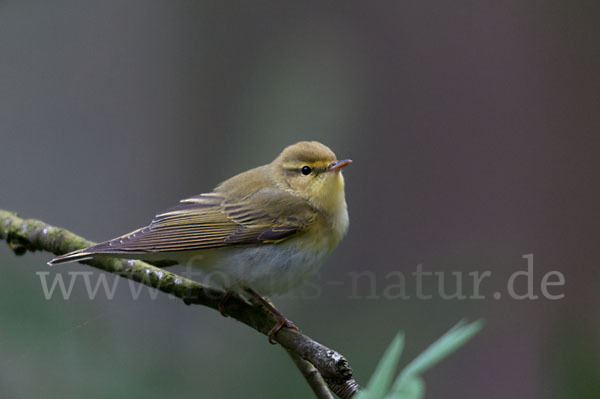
(319, 166)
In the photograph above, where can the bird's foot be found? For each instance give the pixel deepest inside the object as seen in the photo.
(222, 302)
(282, 321)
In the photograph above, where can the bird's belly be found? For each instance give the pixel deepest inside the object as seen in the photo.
(268, 269)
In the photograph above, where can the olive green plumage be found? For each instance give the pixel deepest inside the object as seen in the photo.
(289, 211)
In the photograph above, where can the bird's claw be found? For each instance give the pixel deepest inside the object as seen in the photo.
(222, 302)
(281, 322)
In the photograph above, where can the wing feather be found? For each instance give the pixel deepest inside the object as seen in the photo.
(210, 221)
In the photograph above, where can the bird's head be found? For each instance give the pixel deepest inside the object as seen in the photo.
(311, 170)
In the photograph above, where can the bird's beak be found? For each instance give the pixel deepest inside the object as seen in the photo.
(336, 166)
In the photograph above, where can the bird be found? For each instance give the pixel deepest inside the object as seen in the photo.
(260, 233)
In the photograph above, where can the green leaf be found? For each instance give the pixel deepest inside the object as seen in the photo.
(411, 387)
(384, 373)
(446, 344)
(409, 384)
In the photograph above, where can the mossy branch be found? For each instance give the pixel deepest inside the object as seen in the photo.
(320, 365)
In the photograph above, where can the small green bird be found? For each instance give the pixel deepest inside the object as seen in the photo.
(263, 231)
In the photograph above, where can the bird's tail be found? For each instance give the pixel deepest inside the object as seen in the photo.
(74, 256)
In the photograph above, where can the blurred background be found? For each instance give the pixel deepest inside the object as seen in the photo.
(473, 127)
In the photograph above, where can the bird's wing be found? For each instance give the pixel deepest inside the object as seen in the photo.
(210, 221)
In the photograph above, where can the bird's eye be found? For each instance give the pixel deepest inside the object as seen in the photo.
(306, 170)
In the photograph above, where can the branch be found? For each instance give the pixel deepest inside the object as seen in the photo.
(312, 376)
(332, 368)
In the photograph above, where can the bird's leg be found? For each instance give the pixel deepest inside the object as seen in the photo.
(282, 321)
(222, 302)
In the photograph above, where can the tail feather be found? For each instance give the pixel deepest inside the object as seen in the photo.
(74, 256)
